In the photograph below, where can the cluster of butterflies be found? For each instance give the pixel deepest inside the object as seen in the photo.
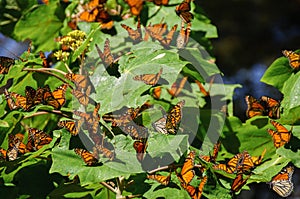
(241, 164)
(34, 97)
(185, 176)
(97, 11)
(36, 140)
(267, 106)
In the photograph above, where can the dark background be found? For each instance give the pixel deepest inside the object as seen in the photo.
(252, 34)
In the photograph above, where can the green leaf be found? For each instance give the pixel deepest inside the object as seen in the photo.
(290, 103)
(41, 26)
(146, 58)
(277, 73)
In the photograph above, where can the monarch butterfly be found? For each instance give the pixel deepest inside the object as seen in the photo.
(106, 56)
(135, 131)
(265, 106)
(213, 157)
(255, 107)
(196, 193)
(169, 37)
(72, 126)
(241, 162)
(136, 6)
(160, 2)
(92, 119)
(80, 81)
(126, 117)
(281, 136)
(87, 157)
(164, 180)
(176, 89)
(140, 147)
(135, 35)
(183, 11)
(37, 139)
(27, 102)
(174, 118)
(83, 97)
(156, 92)
(15, 146)
(57, 97)
(5, 64)
(91, 10)
(156, 31)
(187, 173)
(294, 59)
(272, 107)
(106, 152)
(149, 79)
(183, 37)
(235, 163)
(238, 182)
(282, 182)
(10, 102)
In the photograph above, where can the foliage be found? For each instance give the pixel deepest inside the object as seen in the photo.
(56, 170)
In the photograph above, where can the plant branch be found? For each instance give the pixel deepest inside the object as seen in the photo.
(108, 186)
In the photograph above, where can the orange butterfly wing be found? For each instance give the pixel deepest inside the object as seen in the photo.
(176, 89)
(213, 157)
(140, 147)
(149, 79)
(136, 6)
(238, 182)
(37, 139)
(183, 11)
(87, 157)
(255, 107)
(56, 98)
(282, 182)
(135, 35)
(273, 107)
(281, 136)
(72, 126)
(80, 81)
(294, 59)
(187, 173)
(174, 118)
(106, 56)
(10, 102)
(164, 180)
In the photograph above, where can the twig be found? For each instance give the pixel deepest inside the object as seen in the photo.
(108, 186)
(47, 112)
(46, 71)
